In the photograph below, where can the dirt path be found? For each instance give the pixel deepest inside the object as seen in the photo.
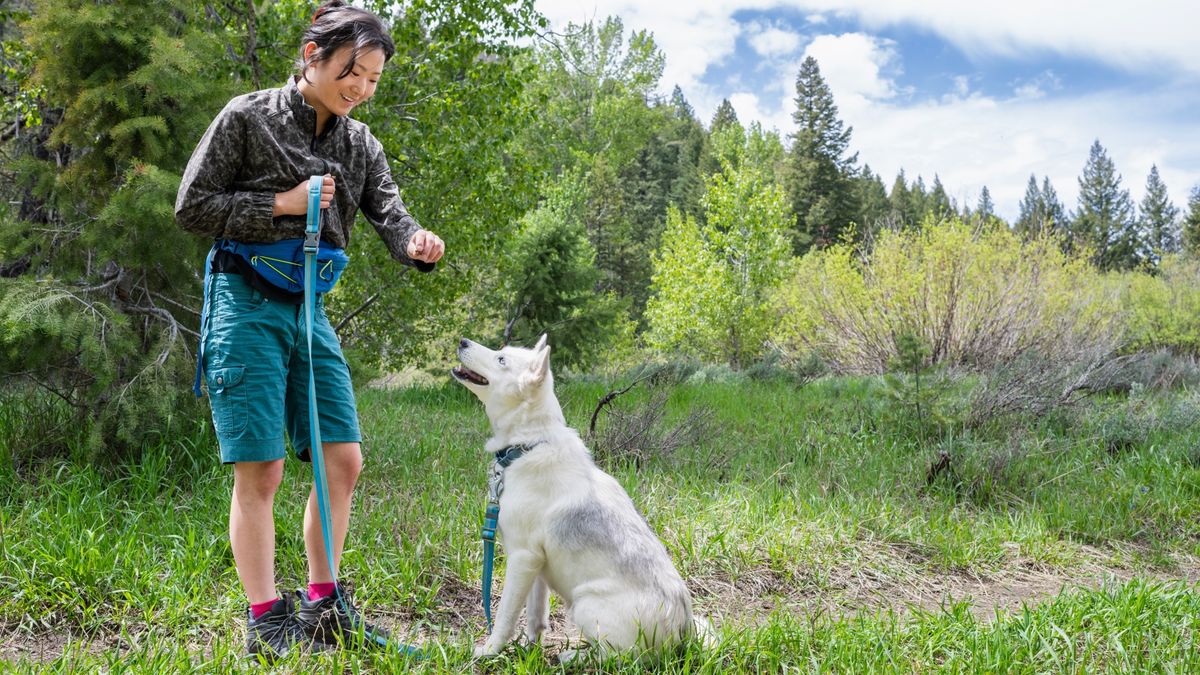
(893, 580)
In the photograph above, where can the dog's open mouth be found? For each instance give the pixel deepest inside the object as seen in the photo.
(469, 376)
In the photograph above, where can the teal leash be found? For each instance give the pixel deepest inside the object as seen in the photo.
(491, 519)
(312, 237)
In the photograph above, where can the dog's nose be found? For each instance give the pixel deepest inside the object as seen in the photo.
(462, 344)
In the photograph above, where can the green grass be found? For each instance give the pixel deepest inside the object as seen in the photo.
(802, 523)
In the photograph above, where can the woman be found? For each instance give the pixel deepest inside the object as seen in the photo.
(246, 185)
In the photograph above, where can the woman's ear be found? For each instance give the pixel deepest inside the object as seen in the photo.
(310, 48)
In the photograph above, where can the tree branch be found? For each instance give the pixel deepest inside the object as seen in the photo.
(360, 309)
(610, 396)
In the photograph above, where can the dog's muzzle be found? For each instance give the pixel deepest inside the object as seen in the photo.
(468, 375)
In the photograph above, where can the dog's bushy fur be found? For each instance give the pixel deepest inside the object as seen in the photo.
(566, 525)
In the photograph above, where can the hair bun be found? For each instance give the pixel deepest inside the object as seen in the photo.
(329, 4)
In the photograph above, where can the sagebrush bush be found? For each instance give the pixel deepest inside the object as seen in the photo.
(977, 297)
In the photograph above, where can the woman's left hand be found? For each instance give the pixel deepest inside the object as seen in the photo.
(425, 246)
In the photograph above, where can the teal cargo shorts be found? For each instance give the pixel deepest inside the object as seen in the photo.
(256, 369)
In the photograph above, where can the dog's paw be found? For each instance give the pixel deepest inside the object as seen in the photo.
(488, 649)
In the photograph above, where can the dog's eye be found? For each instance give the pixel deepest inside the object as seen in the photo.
(500, 360)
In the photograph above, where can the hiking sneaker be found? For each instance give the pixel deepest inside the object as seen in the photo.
(276, 633)
(332, 622)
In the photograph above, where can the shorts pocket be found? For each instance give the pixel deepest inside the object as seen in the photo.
(228, 397)
(232, 296)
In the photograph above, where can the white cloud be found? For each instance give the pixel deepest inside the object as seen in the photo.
(772, 41)
(968, 139)
(853, 65)
(1117, 33)
(1037, 86)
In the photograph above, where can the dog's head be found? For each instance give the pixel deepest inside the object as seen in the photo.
(507, 376)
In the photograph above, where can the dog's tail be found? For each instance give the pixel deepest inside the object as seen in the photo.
(705, 632)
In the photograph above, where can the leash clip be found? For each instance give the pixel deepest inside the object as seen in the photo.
(495, 484)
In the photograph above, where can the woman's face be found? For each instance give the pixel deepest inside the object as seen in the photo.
(329, 94)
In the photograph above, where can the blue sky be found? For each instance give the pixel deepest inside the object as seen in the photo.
(979, 93)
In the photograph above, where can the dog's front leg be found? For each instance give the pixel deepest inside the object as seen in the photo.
(537, 610)
(523, 568)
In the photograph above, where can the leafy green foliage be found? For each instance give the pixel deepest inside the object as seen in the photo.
(976, 297)
(115, 87)
(1164, 309)
(449, 111)
(590, 92)
(712, 282)
(553, 279)
(115, 380)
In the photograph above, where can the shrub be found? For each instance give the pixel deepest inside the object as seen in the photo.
(1164, 309)
(976, 297)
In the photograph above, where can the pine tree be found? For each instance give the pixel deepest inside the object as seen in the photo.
(872, 199)
(1041, 211)
(553, 279)
(680, 106)
(899, 202)
(724, 116)
(1030, 216)
(985, 209)
(918, 201)
(1054, 214)
(1190, 234)
(939, 204)
(1159, 218)
(818, 182)
(1105, 219)
(93, 311)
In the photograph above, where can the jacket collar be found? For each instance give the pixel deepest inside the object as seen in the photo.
(304, 113)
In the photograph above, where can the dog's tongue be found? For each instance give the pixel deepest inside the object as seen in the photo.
(469, 375)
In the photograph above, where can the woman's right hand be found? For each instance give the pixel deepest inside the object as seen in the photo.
(294, 202)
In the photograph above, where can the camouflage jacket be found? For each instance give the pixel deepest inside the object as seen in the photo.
(264, 143)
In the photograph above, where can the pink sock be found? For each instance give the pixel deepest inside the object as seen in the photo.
(260, 608)
(321, 590)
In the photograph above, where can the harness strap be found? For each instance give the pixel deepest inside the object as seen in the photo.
(208, 263)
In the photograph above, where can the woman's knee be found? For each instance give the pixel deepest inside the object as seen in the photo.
(344, 463)
(257, 479)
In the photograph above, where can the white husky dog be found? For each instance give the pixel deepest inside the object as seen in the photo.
(565, 524)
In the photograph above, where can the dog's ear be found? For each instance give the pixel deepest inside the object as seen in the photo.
(540, 343)
(540, 367)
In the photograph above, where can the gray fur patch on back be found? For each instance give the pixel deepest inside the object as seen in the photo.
(589, 526)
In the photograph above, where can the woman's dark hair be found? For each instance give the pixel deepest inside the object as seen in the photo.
(335, 25)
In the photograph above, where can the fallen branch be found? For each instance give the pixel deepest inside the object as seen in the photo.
(608, 398)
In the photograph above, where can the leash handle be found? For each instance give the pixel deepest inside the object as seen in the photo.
(312, 230)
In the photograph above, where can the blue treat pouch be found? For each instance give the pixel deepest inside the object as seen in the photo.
(281, 263)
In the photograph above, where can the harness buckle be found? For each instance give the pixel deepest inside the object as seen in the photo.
(312, 241)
